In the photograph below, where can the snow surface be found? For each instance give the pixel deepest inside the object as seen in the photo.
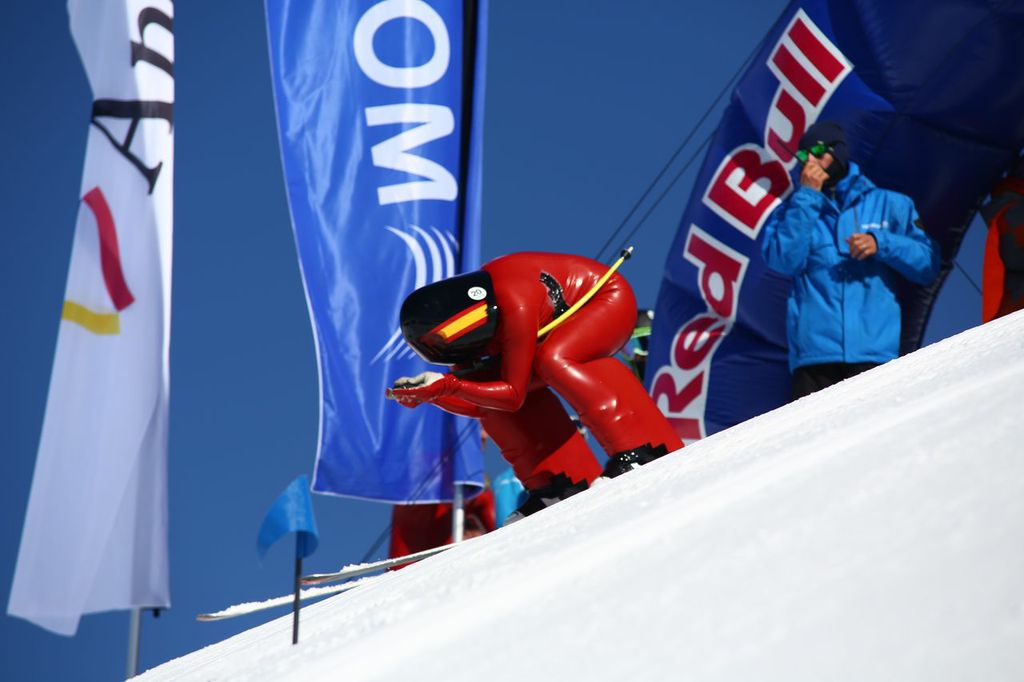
(873, 531)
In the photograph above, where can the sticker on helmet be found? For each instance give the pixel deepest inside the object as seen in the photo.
(477, 293)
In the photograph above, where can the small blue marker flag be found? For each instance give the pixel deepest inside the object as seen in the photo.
(292, 512)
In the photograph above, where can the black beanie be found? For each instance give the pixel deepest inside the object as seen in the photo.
(833, 135)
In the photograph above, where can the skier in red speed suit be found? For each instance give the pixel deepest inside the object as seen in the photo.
(485, 324)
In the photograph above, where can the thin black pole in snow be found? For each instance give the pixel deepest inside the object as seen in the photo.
(298, 586)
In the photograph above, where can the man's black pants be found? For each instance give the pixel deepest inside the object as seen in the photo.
(811, 378)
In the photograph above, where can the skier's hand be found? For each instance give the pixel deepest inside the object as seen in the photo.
(398, 395)
(423, 388)
(862, 245)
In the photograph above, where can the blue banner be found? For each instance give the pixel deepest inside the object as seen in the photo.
(932, 110)
(382, 165)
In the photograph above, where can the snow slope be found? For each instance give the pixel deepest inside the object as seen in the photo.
(873, 531)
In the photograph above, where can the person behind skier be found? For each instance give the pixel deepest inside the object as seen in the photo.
(485, 323)
(635, 352)
(845, 243)
(416, 527)
(1003, 271)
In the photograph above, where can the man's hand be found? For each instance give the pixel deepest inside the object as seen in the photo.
(813, 175)
(862, 245)
(413, 391)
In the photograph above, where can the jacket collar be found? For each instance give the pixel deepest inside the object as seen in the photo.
(852, 187)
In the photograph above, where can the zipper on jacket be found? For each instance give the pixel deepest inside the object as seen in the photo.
(843, 272)
(842, 285)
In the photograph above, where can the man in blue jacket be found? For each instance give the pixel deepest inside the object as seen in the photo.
(845, 243)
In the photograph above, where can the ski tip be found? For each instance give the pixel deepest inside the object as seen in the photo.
(316, 579)
(208, 617)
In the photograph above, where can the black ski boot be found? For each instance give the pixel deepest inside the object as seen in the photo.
(557, 490)
(623, 462)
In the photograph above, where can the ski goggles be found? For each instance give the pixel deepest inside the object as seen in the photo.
(818, 150)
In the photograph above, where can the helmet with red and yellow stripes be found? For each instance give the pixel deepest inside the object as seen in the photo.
(451, 321)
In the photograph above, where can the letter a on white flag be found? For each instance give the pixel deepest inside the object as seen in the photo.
(95, 533)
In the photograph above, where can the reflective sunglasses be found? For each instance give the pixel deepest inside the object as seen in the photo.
(818, 149)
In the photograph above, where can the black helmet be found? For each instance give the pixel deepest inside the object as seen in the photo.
(451, 321)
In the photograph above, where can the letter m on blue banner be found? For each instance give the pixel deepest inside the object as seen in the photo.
(378, 108)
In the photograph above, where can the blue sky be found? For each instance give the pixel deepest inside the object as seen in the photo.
(585, 102)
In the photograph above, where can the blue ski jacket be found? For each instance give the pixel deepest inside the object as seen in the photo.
(841, 309)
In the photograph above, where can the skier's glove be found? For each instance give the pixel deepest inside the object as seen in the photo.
(423, 388)
(421, 379)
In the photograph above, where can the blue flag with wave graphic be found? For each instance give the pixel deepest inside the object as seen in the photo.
(379, 106)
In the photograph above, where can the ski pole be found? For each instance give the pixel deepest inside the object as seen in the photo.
(623, 257)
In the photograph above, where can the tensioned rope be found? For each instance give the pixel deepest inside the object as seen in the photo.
(967, 276)
(679, 149)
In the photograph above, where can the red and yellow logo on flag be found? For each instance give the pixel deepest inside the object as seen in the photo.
(99, 322)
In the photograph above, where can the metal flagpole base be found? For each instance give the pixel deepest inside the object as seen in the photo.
(134, 631)
(458, 514)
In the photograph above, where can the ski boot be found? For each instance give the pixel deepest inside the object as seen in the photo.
(560, 487)
(623, 462)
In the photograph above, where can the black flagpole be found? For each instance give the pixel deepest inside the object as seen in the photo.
(298, 585)
(469, 59)
(469, 31)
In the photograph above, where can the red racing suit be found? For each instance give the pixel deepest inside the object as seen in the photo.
(525, 420)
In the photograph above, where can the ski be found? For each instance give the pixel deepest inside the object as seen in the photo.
(245, 608)
(346, 573)
(356, 570)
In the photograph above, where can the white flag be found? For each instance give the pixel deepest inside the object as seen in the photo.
(95, 534)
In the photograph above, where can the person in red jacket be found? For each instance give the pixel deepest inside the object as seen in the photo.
(1003, 273)
(486, 325)
(416, 527)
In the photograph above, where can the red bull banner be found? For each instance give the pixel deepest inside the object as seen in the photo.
(910, 97)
